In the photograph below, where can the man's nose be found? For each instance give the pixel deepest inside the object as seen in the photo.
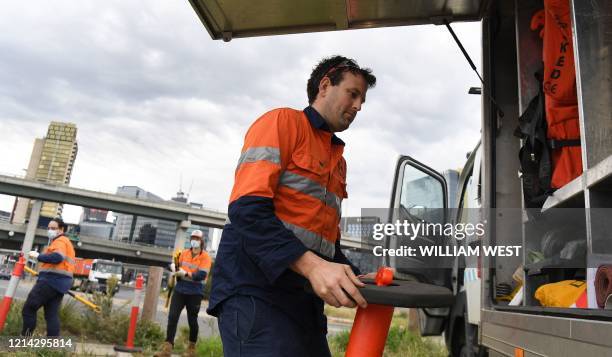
(357, 104)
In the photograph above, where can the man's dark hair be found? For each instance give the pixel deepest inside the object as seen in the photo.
(334, 68)
(60, 223)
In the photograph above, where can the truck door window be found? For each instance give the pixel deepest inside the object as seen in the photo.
(422, 196)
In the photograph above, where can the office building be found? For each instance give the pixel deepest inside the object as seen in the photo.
(143, 230)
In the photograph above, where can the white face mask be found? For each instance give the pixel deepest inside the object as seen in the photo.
(52, 233)
(195, 244)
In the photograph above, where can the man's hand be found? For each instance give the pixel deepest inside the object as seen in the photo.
(181, 273)
(33, 254)
(335, 283)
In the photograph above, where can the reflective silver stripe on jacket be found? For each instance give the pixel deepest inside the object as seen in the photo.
(66, 258)
(57, 271)
(311, 188)
(189, 265)
(312, 240)
(260, 153)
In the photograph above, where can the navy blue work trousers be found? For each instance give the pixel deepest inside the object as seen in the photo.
(42, 295)
(252, 327)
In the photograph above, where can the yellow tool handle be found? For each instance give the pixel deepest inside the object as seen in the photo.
(88, 303)
(30, 270)
(80, 299)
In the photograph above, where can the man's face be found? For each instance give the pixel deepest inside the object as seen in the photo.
(53, 226)
(341, 103)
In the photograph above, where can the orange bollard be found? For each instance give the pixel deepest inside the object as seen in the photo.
(371, 325)
(129, 344)
(11, 289)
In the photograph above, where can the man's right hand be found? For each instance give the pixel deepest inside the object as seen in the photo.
(335, 283)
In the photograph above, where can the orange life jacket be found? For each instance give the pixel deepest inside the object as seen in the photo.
(559, 82)
(63, 247)
(192, 264)
(295, 164)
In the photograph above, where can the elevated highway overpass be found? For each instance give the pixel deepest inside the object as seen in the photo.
(97, 247)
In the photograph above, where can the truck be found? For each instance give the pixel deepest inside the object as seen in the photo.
(92, 274)
(492, 309)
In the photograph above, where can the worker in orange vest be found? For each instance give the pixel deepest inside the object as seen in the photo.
(191, 273)
(54, 280)
(283, 227)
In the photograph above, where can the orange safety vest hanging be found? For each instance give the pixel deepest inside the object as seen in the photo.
(63, 247)
(559, 83)
(286, 159)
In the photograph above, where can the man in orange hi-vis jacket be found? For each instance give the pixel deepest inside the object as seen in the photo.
(283, 226)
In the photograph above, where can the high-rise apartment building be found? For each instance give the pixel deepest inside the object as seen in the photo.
(52, 160)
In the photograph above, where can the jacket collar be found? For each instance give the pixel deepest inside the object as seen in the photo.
(317, 122)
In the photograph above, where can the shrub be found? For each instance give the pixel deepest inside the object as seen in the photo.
(71, 317)
(210, 347)
(148, 334)
(338, 343)
(400, 342)
(14, 321)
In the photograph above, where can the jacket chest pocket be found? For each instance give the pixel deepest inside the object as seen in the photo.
(307, 174)
(311, 164)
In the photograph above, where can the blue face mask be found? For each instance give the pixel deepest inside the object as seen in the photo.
(52, 233)
(195, 243)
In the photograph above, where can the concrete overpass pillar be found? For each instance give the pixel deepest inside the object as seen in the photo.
(28, 239)
(181, 235)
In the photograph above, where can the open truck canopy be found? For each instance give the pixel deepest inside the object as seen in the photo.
(228, 19)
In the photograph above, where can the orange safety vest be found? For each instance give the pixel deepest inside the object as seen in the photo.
(63, 247)
(295, 164)
(559, 85)
(192, 264)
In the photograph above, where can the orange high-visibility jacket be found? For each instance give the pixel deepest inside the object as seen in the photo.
(192, 264)
(284, 158)
(63, 247)
(559, 84)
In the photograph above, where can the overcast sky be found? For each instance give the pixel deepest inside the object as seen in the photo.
(154, 98)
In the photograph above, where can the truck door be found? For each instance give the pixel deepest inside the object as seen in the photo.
(419, 200)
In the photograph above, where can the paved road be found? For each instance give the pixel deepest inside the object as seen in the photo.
(208, 324)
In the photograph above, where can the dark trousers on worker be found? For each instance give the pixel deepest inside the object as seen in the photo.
(42, 295)
(254, 328)
(179, 301)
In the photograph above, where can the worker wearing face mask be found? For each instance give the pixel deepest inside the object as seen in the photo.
(191, 272)
(55, 266)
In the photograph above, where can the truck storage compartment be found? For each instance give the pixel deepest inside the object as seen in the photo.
(570, 237)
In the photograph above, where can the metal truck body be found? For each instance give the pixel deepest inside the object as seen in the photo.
(93, 274)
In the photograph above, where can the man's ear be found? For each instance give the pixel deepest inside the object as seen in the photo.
(324, 85)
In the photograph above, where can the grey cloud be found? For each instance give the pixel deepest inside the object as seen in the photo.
(153, 96)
